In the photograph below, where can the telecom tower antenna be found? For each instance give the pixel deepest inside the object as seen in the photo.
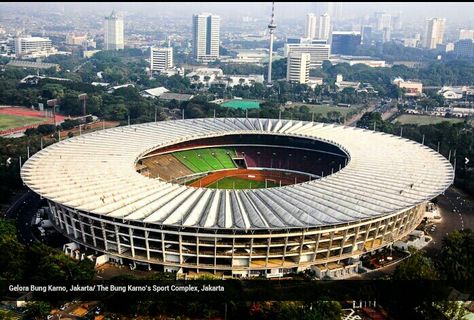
(271, 28)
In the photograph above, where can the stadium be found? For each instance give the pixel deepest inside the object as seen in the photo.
(236, 196)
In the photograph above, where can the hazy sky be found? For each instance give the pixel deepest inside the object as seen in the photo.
(454, 11)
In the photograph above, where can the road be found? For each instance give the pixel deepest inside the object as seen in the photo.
(463, 218)
(457, 212)
(353, 121)
(23, 210)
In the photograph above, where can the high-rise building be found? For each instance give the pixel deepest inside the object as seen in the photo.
(311, 25)
(334, 9)
(434, 32)
(206, 40)
(298, 67)
(324, 27)
(318, 52)
(345, 42)
(161, 59)
(366, 35)
(28, 45)
(113, 32)
(397, 21)
(464, 48)
(466, 34)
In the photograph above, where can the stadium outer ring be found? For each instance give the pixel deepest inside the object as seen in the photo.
(70, 184)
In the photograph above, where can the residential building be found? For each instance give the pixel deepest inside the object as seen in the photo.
(324, 27)
(74, 40)
(161, 58)
(318, 52)
(434, 32)
(466, 34)
(113, 32)
(298, 67)
(311, 25)
(33, 45)
(206, 29)
(345, 42)
(445, 47)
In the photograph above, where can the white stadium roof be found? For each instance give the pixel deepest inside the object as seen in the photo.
(96, 173)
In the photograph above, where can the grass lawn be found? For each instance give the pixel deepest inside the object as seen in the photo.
(423, 120)
(243, 104)
(8, 121)
(323, 109)
(239, 183)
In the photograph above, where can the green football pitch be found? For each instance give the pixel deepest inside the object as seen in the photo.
(239, 183)
(242, 104)
(9, 121)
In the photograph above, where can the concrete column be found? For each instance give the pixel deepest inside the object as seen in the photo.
(132, 244)
(316, 246)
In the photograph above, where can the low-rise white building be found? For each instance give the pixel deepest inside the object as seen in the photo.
(245, 80)
(205, 75)
(353, 60)
(154, 92)
(341, 84)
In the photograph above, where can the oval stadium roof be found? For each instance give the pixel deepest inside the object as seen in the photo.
(96, 173)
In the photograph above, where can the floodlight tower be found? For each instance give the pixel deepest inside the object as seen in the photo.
(271, 28)
(83, 97)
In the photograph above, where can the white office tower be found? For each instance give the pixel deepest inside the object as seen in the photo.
(161, 59)
(28, 45)
(113, 32)
(298, 67)
(311, 26)
(324, 27)
(318, 52)
(206, 29)
(434, 32)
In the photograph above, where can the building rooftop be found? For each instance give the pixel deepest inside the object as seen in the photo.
(96, 173)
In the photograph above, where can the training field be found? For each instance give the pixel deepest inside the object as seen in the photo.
(242, 104)
(9, 121)
(323, 109)
(239, 183)
(423, 120)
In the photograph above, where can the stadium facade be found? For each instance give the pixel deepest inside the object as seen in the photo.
(372, 192)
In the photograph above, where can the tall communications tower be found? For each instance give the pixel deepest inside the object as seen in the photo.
(271, 28)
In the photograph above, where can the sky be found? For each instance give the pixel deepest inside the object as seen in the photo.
(454, 11)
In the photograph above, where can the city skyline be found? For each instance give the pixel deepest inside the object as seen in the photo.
(284, 10)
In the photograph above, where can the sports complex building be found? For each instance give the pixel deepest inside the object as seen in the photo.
(237, 196)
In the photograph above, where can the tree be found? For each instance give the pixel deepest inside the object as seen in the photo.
(416, 267)
(37, 310)
(457, 255)
(453, 310)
